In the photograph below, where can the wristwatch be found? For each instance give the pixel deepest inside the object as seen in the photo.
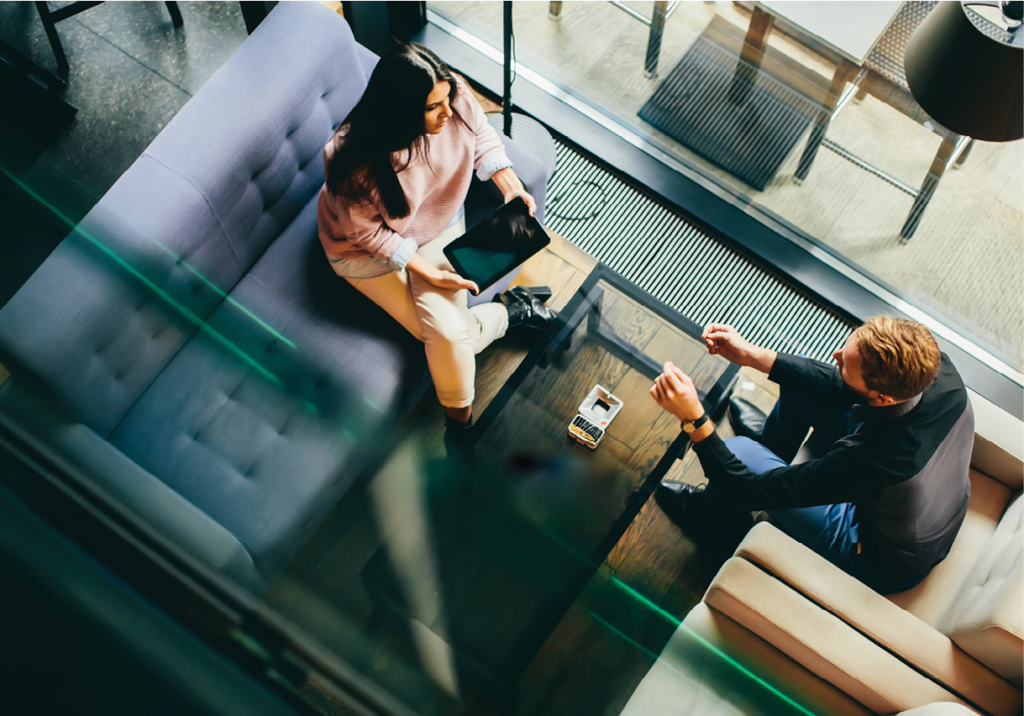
(691, 426)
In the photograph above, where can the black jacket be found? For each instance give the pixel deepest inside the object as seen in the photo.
(905, 467)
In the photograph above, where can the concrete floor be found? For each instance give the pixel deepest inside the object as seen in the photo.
(966, 261)
(130, 73)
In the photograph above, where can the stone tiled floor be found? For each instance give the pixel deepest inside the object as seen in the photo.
(966, 261)
(130, 73)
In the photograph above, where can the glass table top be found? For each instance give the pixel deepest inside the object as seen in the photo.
(514, 542)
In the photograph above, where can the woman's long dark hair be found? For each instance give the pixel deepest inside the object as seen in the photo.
(387, 119)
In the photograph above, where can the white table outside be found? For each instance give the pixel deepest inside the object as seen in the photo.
(851, 29)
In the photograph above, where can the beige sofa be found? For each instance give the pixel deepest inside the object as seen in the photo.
(782, 630)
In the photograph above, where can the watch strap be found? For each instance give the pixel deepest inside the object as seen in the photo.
(691, 426)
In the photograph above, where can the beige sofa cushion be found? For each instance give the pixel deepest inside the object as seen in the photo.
(930, 599)
(986, 617)
(881, 621)
(819, 641)
(713, 666)
(940, 709)
(998, 442)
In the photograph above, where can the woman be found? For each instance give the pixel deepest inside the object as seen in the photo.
(397, 173)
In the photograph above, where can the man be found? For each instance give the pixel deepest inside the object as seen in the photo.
(886, 501)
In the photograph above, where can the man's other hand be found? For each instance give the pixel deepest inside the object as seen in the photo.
(724, 340)
(673, 390)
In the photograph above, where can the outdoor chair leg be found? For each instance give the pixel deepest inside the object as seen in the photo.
(654, 39)
(751, 55)
(51, 34)
(931, 183)
(172, 7)
(821, 122)
(963, 155)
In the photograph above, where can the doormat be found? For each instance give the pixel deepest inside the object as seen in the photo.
(745, 126)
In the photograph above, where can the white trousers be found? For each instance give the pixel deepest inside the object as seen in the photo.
(452, 334)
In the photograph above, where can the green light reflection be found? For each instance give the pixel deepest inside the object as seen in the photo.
(675, 623)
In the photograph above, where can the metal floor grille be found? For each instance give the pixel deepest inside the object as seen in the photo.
(656, 247)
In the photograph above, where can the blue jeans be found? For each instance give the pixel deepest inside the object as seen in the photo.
(829, 530)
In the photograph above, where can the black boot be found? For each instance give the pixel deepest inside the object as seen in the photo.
(526, 306)
(457, 442)
(747, 419)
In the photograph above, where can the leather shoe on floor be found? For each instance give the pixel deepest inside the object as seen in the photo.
(714, 530)
(689, 507)
(681, 502)
(747, 419)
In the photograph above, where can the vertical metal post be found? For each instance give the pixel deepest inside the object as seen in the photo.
(506, 102)
(654, 39)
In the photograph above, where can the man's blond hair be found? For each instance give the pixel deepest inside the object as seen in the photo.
(899, 357)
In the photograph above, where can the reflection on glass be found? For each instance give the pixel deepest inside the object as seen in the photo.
(808, 113)
(205, 385)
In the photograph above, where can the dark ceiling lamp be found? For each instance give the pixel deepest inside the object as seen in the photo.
(967, 72)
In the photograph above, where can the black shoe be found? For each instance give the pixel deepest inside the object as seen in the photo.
(715, 529)
(541, 293)
(747, 419)
(457, 442)
(690, 507)
(526, 307)
(682, 503)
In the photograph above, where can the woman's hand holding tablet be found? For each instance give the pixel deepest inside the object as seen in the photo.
(497, 245)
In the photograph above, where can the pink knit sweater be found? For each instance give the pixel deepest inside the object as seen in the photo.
(353, 230)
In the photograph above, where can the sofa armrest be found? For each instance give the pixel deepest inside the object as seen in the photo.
(531, 172)
(998, 442)
(712, 665)
(484, 198)
(819, 641)
(84, 455)
(893, 629)
(368, 59)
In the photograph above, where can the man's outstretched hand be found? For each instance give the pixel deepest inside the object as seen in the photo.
(673, 390)
(724, 340)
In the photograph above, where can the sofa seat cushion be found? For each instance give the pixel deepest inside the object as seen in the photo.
(930, 599)
(713, 666)
(102, 470)
(985, 619)
(120, 295)
(296, 272)
(264, 419)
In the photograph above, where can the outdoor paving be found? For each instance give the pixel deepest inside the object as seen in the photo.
(966, 260)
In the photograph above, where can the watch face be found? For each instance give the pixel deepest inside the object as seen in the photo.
(688, 427)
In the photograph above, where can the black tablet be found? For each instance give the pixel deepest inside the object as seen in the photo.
(497, 245)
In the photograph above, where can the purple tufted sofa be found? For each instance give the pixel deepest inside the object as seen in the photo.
(187, 351)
